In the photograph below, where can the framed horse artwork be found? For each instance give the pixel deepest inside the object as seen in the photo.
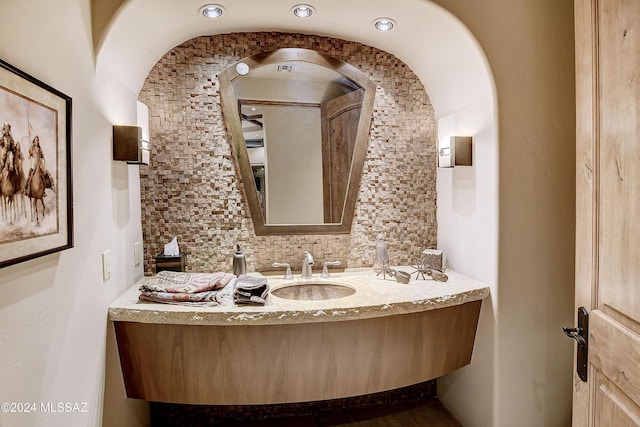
(36, 210)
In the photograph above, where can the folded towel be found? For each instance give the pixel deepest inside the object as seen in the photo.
(199, 299)
(186, 283)
(251, 290)
(195, 289)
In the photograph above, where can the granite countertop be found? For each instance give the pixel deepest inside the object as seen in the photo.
(374, 297)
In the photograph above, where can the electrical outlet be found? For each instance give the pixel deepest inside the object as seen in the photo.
(106, 265)
(137, 253)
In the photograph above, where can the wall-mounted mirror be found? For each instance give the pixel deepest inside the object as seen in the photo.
(300, 124)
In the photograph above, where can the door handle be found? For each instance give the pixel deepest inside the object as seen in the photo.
(580, 334)
(576, 334)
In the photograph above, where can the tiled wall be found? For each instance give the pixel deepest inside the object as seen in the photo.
(191, 188)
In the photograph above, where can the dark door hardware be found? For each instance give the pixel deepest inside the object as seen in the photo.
(581, 335)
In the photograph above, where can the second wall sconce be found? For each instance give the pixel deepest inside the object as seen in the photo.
(131, 143)
(457, 153)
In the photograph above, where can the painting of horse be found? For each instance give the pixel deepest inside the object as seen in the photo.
(8, 188)
(35, 167)
(39, 181)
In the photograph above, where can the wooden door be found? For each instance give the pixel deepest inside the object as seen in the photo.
(608, 209)
(340, 118)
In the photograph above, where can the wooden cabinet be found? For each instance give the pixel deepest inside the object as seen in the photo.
(264, 364)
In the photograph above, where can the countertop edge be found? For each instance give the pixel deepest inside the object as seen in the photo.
(154, 313)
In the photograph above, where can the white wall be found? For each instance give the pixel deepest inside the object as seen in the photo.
(293, 169)
(53, 309)
(520, 374)
(468, 236)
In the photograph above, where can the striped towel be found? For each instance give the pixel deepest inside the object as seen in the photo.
(196, 289)
(186, 283)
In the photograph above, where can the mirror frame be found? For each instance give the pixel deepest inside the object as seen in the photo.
(234, 128)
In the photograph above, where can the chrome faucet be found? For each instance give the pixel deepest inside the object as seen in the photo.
(325, 268)
(287, 274)
(307, 262)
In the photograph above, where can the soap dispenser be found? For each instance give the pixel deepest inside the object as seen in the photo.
(239, 261)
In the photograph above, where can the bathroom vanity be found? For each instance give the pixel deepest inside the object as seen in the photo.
(382, 336)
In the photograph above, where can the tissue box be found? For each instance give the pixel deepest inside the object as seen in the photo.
(171, 263)
(432, 258)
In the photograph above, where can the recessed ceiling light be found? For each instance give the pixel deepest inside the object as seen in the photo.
(212, 11)
(384, 24)
(303, 10)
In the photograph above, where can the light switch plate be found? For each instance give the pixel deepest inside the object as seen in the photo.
(106, 265)
(137, 253)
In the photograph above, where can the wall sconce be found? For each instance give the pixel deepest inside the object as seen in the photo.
(131, 143)
(457, 153)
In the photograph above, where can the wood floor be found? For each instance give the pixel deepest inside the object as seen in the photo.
(416, 414)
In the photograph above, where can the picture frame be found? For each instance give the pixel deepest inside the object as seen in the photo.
(36, 200)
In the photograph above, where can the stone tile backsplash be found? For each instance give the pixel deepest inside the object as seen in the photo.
(191, 188)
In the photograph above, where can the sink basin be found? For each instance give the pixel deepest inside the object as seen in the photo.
(313, 291)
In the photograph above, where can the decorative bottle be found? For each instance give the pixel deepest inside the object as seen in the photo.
(239, 261)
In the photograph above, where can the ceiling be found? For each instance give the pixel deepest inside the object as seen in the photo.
(431, 41)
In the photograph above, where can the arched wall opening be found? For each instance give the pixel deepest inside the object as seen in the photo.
(437, 47)
(431, 41)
